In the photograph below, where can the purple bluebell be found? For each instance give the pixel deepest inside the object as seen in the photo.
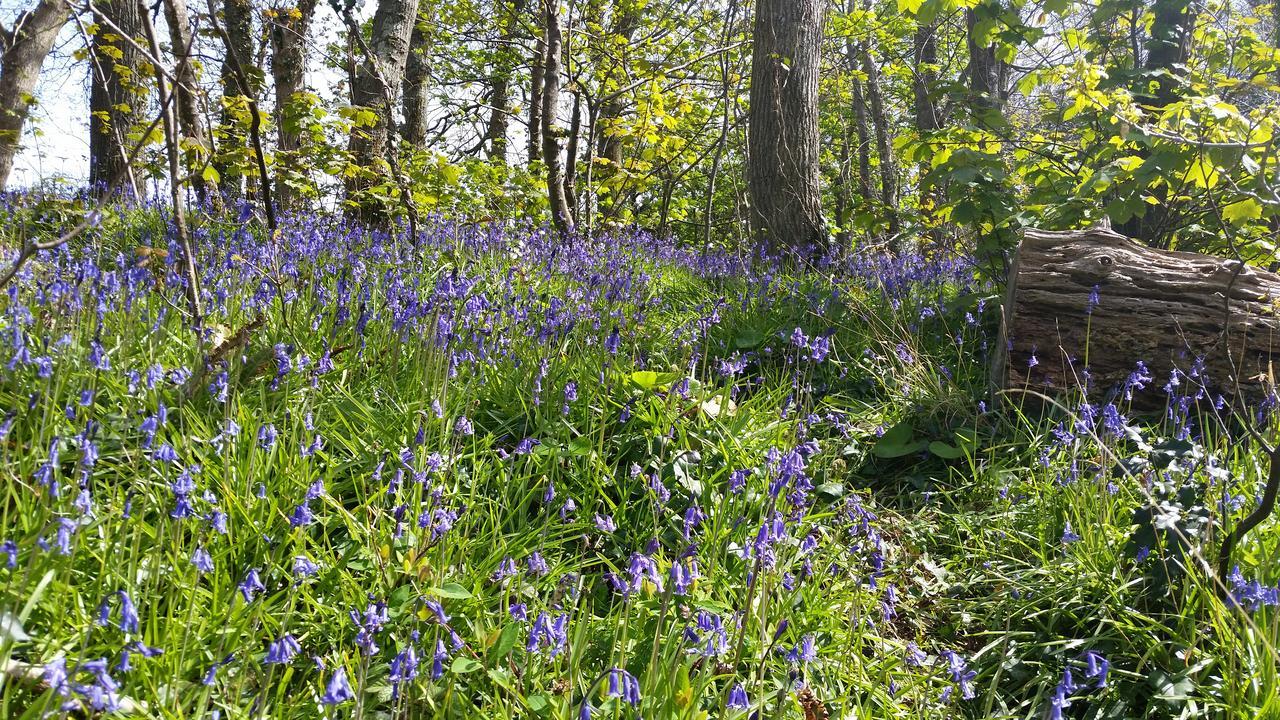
(337, 690)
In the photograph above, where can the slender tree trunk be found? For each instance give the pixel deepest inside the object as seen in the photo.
(24, 49)
(505, 59)
(414, 129)
(926, 57)
(984, 69)
(194, 140)
(611, 111)
(726, 108)
(552, 142)
(172, 141)
(288, 74)
(783, 139)
(884, 144)
(1167, 51)
(864, 141)
(117, 91)
(237, 20)
(844, 178)
(377, 79)
(571, 155)
(537, 69)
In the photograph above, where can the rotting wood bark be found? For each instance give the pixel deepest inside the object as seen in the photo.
(1096, 300)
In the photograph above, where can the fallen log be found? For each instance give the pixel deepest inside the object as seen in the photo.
(1083, 308)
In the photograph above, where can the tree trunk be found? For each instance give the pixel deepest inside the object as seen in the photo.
(194, 140)
(24, 47)
(552, 142)
(237, 20)
(377, 81)
(864, 141)
(783, 139)
(571, 155)
(1095, 299)
(884, 145)
(537, 68)
(612, 110)
(926, 57)
(1168, 49)
(414, 129)
(495, 135)
(117, 91)
(984, 69)
(288, 73)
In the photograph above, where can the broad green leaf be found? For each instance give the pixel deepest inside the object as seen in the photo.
(1242, 212)
(451, 590)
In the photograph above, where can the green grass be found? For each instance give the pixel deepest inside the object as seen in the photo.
(946, 534)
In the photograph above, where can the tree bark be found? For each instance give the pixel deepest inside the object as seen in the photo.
(864, 141)
(237, 20)
(24, 49)
(571, 155)
(288, 74)
(1168, 49)
(117, 91)
(377, 79)
(537, 69)
(505, 59)
(611, 111)
(783, 139)
(984, 69)
(884, 145)
(194, 140)
(414, 129)
(552, 142)
(926, 59)
(1096, 300)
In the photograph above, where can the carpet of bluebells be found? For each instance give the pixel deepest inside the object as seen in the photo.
(485, 473)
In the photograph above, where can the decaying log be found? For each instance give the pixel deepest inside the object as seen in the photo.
(1096, 300)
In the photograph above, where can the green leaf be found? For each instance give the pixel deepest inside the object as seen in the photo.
(538, 704)
(897, 442)
(1242, 212)
(210, 175)
(451, 590)
(505, 643)
(909, 6)
(463, 665)
(945, 451)
(646, 379)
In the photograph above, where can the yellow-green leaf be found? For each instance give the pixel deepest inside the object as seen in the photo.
(1243, 211)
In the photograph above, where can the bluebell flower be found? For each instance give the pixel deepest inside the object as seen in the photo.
(303, 567)
(54, 674)
(202, 561)
(537, 566)
(337, 690)
(737, 698)
(437, 660)
(1068, 535)
(438, 610)
(624, 685)
(251, 585)
(128, 613)
(548, 634)
(282, 651)
(961, 675)
(404, 668)
(1096, 666)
